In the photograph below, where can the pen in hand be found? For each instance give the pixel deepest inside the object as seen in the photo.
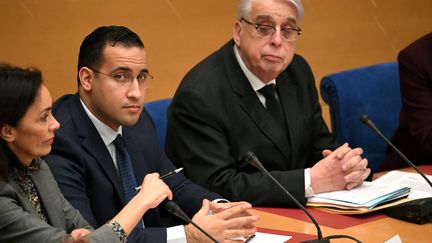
(250, 238)
(162, 177)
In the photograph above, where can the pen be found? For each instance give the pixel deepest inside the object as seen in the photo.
(162, 177)
(249, 238)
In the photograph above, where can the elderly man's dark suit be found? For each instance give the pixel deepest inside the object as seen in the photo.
(413, 137)
(88, 178)
(216, 117)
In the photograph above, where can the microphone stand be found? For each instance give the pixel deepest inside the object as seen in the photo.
(368, 122)
(252, 159)
(173, 208)
(418, 211)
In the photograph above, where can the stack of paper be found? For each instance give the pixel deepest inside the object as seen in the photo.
(365, 198)
(419, 187)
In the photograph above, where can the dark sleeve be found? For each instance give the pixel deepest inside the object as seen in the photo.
(187, 194)
(416, 91)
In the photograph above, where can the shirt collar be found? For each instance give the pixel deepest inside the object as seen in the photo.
(107, 134)
(256, 83)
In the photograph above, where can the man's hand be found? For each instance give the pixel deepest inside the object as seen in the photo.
(354, 168)
(219, 207)
(231, 220)
(341, 169)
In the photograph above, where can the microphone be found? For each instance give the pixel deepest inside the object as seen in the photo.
(173, 208)
(252, 159)
(418, 211)
(368, 122)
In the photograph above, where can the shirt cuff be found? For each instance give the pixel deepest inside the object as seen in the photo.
(308, 189)
(220, 200)
(217, 200)
(176, 234)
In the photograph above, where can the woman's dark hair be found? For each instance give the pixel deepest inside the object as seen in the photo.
(18, 90)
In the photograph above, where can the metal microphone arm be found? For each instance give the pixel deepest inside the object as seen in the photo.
(368, 122)
(253, 160)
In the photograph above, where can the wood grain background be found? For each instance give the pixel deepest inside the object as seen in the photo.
(338, 34)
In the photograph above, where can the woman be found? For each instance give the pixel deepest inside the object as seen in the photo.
(32, 209)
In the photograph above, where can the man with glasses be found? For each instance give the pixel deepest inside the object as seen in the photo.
(255, 94)
(107, 143)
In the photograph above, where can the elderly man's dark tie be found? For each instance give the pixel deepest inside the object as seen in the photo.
(273, 105)
(126, 172)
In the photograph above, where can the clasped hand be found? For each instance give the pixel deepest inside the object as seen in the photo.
(344, 168)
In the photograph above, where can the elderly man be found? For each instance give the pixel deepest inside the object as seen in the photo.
(255, 94)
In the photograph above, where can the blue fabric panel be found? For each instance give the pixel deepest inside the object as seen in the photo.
(158, 112)
(372, 90)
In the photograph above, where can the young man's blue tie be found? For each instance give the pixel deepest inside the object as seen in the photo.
(126, 172)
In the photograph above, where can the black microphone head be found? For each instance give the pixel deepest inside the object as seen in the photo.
(252, 159)
(171, 206)
(364, 119)
(175, 209)
(368, 122)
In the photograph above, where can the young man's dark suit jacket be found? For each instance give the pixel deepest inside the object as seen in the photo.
(413, 137)
(215, 117)
(88, 178)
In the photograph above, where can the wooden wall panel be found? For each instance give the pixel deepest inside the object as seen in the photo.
(178, 33)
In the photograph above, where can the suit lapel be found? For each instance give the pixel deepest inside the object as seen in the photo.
(258, 114)
(24, 201)
(251, 104)
(48, 198)
(93, 143)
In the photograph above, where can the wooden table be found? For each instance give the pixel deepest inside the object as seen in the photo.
(373, 227)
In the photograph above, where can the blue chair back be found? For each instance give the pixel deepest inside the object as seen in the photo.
(372, 90)
(158, 112)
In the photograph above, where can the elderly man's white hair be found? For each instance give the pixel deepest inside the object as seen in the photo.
(245, 6)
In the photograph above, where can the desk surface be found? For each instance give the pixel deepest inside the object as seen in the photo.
(373, 227)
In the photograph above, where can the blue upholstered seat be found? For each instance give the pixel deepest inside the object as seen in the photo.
(372, 90)
(158, 112)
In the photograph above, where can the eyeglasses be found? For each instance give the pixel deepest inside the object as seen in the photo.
(126, 78)
(288, 34)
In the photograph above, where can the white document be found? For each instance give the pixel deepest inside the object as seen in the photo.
(369, 194)
(419, 187)
(368, 191)
(394, 239)
(266, 238)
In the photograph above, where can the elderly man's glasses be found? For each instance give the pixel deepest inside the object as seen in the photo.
(126, 78)
(287, 33)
